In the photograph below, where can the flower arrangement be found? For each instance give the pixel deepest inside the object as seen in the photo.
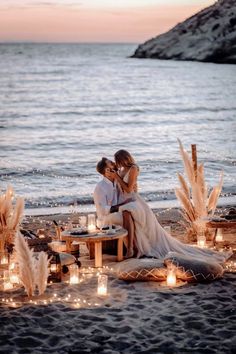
(196, 201)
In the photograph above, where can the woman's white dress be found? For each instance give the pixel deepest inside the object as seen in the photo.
(152, 240)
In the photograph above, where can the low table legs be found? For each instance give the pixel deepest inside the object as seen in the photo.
(98, 254)
(120, 249)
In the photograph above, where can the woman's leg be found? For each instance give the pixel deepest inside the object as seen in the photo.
(128, 224)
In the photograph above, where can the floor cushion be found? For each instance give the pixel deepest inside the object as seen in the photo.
(144, 269)
(66, 259)
(194, 269)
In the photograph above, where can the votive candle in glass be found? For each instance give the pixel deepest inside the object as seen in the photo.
(102, 285)
(74, 274)
(171, 277)
(91, 222)
(219, 236)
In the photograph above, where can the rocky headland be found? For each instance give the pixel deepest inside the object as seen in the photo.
(208, 36)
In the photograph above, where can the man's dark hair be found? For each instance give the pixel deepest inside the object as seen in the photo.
(101, 165)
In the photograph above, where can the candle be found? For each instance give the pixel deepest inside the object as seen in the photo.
(41, 236)
(53, 267)
(201, 241)
(4, 260)
(74, 275)
(91, 222)
(7, 286)
(219, 236)
(14, 279)
(74, 279)
(102, 285)
(171, 277)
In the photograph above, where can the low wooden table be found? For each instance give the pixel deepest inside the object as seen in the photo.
(224, 224)
(96, 238)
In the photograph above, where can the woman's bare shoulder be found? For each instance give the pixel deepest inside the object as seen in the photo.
(134, 168)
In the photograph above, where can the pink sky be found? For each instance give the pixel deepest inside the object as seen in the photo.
(92, 20)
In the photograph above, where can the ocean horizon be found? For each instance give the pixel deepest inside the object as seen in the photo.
(64, 106)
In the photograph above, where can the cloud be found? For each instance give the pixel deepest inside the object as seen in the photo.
(29, 4)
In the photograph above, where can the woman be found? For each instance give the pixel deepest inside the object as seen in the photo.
(150, 238)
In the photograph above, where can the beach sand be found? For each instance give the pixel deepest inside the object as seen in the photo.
(133, 318)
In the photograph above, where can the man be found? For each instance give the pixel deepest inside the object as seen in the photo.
(107, 196)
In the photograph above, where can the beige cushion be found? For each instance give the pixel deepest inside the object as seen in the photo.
(144, 269)
(194, 269)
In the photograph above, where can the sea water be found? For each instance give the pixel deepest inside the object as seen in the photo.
(64, 106)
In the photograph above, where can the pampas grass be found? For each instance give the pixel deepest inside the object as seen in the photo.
(10, 217)
(33, 270)
(25, 259)
(193, 196)
(42, 272)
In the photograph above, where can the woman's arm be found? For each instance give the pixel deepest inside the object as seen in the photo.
(132, 181)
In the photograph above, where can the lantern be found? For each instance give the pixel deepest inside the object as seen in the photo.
(102, 285)
(74, 274)
(55, 268)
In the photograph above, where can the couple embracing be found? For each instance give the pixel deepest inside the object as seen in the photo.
(118, 202)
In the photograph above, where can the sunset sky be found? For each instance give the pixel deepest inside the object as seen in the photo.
(91, 20)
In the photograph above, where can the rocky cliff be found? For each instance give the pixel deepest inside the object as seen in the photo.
(208, 36)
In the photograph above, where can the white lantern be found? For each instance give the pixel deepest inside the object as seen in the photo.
(102, 285)
(171, 277)
(91, 222)
(219, 236)
(74, 274)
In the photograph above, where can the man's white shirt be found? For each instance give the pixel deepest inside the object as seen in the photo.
(106, 194)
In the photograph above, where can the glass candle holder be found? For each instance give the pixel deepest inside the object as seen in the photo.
(201, 241)
(4, 258)
(83, 221)
(102, 285)
(91, 222)
(171, 277)
(219, 236)
(74, 274)
(14, 277)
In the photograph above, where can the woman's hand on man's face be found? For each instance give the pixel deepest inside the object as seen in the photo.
(111, 174)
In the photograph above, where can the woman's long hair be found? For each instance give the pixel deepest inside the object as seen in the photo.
(124, 159)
